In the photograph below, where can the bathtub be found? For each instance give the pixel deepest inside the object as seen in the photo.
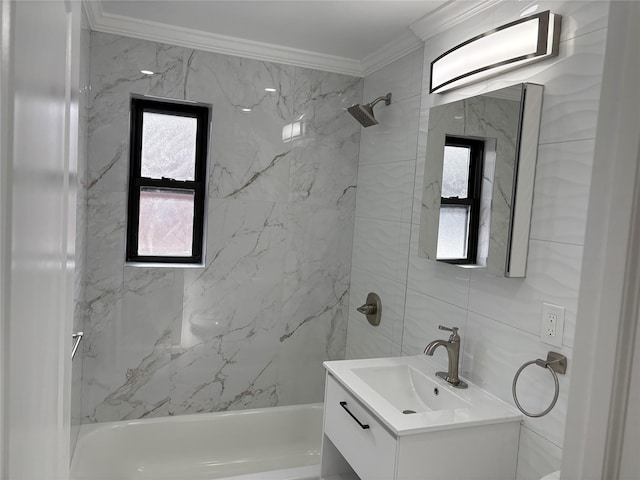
(278, 443)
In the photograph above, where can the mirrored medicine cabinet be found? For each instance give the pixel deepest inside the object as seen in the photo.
(478, 180)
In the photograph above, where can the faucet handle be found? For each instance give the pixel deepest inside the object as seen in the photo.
(454, 336)
(448, 329)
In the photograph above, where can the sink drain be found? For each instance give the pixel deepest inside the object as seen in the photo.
(408, 412)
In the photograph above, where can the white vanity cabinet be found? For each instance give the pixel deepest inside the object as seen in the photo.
(357, 444)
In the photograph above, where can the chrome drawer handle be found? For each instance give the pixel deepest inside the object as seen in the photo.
(364, 426)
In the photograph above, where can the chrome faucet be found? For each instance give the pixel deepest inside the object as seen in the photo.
(453, 351)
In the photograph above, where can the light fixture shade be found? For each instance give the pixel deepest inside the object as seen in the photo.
(527, 40)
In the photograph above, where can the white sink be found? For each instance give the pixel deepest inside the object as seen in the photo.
(408, 398)
(408, 390)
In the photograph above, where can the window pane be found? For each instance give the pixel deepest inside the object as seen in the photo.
(168, 146)
(166, 222)
(453, 232)
(455, 172)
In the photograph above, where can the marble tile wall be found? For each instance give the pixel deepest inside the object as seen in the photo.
(252, 327)
(79, 312)
(499, 318)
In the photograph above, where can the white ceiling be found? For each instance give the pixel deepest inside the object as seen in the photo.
(354, 37)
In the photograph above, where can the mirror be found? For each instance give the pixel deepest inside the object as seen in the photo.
(478, 180)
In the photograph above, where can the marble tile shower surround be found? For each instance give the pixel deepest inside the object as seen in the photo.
(252, 327)
(499, 317)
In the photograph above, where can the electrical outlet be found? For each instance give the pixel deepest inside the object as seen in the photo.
(552, 324)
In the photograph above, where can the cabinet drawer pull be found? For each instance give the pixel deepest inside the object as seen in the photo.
(364, 426)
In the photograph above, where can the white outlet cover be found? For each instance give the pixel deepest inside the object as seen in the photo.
(549, 309)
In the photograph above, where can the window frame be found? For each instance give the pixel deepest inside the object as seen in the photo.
(474, 191)
(202, 113)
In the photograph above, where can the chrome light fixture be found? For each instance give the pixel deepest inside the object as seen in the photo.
(527, 40)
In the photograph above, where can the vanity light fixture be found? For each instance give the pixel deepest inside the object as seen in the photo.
(147, 72)
(527, 40)
(270, 89)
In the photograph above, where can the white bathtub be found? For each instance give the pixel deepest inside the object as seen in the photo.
(279, 443)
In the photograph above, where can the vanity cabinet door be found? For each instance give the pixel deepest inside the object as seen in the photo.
(368, 447)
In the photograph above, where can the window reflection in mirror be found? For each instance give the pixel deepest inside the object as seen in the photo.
(458, 230)
(478, 180)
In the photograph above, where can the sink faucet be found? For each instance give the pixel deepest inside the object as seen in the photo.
(453, 351)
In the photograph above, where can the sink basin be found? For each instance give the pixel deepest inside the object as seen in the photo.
(408, 390)
(405, 394)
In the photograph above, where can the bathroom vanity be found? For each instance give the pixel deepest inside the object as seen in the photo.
(392, 418)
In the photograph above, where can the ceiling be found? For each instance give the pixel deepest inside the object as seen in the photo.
(354, 37)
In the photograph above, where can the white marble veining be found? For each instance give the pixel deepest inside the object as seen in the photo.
(252, 327)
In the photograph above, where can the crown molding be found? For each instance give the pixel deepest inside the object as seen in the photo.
(448, 16)
(392, 51)
(430, 25)
(183, 37)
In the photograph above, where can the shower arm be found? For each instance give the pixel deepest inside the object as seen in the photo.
(386, 98)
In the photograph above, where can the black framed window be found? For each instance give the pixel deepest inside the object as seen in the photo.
(167, 181)
(460, 200)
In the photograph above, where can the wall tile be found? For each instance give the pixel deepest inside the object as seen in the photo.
(423, 315)
(553, 276)
(384, 190)
(391, 297)
(324, 163)
(571, 88)
(248, 158)
(378, 247)
(403, 78)
(252, 327)
(537, 456)
(363, 341)
(395, 138)
(561, 195)
(578, 17)
(492, 354)
(436, 279)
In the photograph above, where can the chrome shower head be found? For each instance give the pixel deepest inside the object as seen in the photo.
(364, 113)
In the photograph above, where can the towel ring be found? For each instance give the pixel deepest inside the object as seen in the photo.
(555, 363)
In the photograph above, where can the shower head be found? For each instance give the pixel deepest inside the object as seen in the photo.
(364, 113)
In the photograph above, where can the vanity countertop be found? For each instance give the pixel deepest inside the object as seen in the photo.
(469, 407)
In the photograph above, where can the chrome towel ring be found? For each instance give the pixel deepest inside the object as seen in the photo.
(555, 363)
